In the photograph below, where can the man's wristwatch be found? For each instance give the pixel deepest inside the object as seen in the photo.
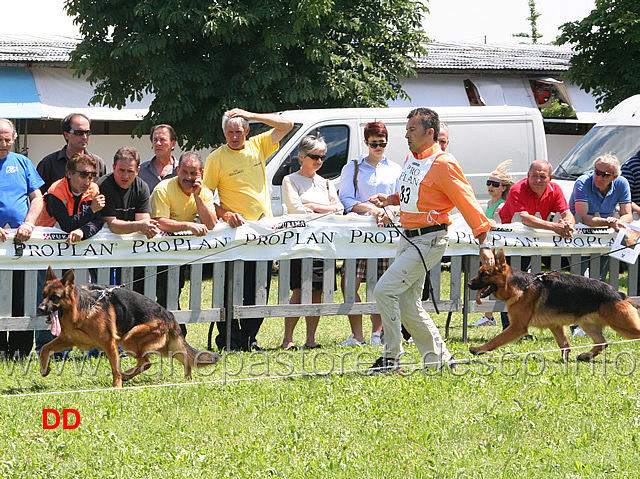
(484, 246)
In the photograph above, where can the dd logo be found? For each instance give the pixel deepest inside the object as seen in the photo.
(65, 419)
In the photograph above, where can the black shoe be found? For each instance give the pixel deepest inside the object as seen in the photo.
(385, 366)
(527, 337)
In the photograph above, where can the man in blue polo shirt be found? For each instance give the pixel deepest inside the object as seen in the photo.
(20, 207)
(600, 192)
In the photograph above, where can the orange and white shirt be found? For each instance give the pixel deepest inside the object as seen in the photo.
(430, 186)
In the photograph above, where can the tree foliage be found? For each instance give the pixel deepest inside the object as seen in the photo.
(202, 57)
(607, 42)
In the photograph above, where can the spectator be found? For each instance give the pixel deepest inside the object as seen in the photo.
(599, 192)
(443, 137)
(237, 171)
(75, 201)
(20, 207)
(431, 185)
(498, 185)
(76, 129)
(127, 206)
(305, 191)
(360, 180)
(538, 194)
(176, 202)
(163, 165)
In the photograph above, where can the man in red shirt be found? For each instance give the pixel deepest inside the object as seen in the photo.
(538, 194)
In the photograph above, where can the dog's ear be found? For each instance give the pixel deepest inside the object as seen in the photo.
(500, 258)
(50, 276)
(69, 278)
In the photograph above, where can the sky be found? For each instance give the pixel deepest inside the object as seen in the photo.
(469, 21)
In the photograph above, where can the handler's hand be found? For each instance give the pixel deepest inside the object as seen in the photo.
(4, 236)
(379, 200)
(487, 258)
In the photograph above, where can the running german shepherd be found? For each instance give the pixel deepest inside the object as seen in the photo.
(98, 317)
(553, 301)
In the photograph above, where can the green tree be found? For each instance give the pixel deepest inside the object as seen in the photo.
(202, 57)
(607, 42)
(533, 19)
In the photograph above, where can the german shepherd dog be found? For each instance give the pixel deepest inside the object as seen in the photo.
(553, 301)
(95, 316)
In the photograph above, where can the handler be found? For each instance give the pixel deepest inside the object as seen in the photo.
(430, 186)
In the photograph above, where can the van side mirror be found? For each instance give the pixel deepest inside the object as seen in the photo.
(288, 166)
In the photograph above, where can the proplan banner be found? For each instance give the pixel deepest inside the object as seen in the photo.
(283, 237)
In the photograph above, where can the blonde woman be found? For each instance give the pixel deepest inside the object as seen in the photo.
(498, 185)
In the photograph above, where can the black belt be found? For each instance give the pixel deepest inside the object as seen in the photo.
(424, 230)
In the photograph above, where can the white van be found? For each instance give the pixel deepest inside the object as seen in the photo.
(617, 133)
(480, 138)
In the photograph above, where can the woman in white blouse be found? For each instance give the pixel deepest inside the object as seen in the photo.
(305, 191)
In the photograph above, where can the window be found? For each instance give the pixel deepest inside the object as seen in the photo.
(472, 94)
(337, 139)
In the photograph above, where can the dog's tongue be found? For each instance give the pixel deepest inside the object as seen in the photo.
(478, 297)
(55, 324)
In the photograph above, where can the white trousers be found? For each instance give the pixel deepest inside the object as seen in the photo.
(399, 298)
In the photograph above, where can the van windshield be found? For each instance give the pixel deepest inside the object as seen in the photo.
(255, 128)
(621, 141)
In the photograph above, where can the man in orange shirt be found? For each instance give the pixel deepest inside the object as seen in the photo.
(430, 186)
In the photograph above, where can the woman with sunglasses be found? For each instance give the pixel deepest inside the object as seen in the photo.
(305, 191)
(498, 185)
(361, 179)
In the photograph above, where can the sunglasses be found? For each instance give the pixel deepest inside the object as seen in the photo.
(80, 132)
(602, 173)
(495, 184)
(317, 157)
(86, 174)
(376, 145)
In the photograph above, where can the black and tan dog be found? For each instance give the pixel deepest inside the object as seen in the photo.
(553, 301)
(96, 317)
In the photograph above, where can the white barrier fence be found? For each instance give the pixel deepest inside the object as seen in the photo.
(331, 238)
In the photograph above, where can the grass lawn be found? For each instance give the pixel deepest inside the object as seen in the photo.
(516, 415)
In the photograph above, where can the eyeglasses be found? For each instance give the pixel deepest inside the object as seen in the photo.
(80, 132)
(86, 174)
(317, 157)
(604, 174)
(382, 144)
(495, 184)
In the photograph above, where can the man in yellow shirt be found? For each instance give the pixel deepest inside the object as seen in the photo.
(177, 201)
(237, 171)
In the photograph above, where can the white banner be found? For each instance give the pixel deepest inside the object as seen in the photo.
(283, 237)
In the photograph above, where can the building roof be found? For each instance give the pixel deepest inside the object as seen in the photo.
(470, 56)
(440, 56)
(34, 49)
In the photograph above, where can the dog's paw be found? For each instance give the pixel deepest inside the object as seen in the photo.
(585, 357)
(476, 350)
(45, 370)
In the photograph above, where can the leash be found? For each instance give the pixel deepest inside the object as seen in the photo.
(424, 263)
(559, 270)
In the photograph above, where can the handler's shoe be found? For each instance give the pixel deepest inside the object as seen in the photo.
(450, 365)
(352, 341)
(385, 366)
